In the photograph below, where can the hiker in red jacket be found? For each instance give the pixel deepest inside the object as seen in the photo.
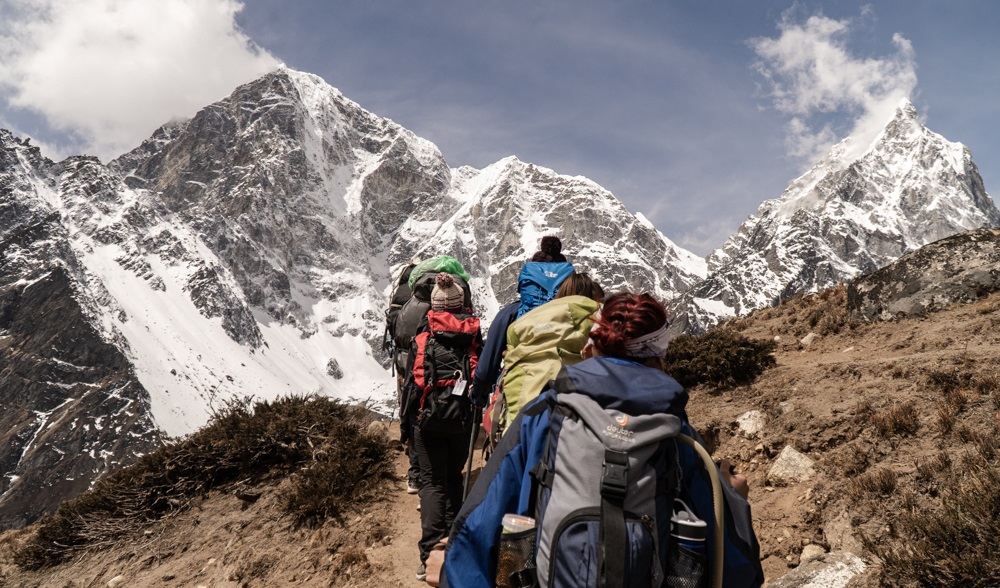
(443, 358)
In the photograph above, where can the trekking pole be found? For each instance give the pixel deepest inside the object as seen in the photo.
(477, 415)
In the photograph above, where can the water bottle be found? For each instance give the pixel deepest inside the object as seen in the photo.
(686, 562)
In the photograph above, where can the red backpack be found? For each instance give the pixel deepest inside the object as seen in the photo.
(444, 358)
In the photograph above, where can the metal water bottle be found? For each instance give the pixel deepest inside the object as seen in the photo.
(687, 561)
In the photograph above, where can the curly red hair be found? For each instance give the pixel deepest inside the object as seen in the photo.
(626, 316)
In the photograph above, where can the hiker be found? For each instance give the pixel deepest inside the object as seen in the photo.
(581, 284)
(411, 300)
(439, 410)
(538, 345)
(549, 257)
(401, 293)
(533, 474)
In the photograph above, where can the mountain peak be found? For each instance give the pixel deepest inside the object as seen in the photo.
(849, 214)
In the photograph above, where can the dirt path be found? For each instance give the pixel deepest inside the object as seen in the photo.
(400, 557)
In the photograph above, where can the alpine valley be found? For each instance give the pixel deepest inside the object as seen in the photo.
(248, 253)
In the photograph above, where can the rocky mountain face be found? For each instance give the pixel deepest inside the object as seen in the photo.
(843, 218)
(72, 407)
(247, 252)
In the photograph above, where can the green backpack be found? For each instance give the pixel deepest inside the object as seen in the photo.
(540, 343)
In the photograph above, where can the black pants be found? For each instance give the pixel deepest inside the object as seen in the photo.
(413, 473)
(442, 457)
(406, 432)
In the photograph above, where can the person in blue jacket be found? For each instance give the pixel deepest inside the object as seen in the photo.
(491, 359)
(623, 372)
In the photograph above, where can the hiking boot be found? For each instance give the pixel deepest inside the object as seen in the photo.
(422, 573)
(411, 487)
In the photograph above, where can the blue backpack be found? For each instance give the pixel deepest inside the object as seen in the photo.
(539, 281)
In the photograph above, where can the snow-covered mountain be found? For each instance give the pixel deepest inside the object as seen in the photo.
(247, 252)
(844, 217)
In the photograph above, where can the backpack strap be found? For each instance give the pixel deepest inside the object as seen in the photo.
(614, 486)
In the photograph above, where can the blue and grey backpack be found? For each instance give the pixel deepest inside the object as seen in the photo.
(539, 281)
(607, 485)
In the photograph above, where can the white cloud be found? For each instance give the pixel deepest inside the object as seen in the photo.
(107, 73)
(814, 78)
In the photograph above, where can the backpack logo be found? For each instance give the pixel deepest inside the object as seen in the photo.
(549, 274)
(622, 420)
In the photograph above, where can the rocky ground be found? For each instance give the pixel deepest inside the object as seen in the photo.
(834, 397)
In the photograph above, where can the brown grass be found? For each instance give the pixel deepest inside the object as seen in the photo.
(336, 462)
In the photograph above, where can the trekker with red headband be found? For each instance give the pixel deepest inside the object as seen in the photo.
(594, 486)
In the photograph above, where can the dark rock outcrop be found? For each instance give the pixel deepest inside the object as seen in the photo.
(960, 268)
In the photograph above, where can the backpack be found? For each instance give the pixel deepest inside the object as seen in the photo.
(538, 282)
(445, 355)
(412, 313)
(538, 345)
(605, 482)
(401, 292)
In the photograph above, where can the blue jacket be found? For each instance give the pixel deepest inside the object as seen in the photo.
(491, 357)
(505, 484)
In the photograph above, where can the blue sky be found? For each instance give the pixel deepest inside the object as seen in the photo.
(690, 112)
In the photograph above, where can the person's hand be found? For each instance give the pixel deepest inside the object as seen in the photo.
(736, 480)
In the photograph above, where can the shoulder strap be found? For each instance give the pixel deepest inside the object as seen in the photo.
(614, 486)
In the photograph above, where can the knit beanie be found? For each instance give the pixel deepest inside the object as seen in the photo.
(446, 295)
(549, 250)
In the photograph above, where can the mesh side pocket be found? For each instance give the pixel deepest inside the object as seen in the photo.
(516, 560)
(685, 568)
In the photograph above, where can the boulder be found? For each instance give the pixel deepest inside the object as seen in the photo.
(751, 423)
(790, 468)
(960, 268)
(831, 570)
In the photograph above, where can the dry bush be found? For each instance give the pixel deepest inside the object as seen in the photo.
(879, 482)
(719, 357)
(899, 419)
(929, 470)
(954, 545)
(852, 459)
(946, 419)
(242, 445)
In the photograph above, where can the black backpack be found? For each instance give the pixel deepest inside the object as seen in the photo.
(400, 294)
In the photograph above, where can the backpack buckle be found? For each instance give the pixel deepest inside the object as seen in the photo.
(614, 479)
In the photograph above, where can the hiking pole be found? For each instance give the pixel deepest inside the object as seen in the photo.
(477, 415)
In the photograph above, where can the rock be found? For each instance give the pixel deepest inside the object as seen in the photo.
(808, 339)
(333, 369)
(830, 570)
(839, 534)
(811, 552)
(960, 268)
(791, 467)
(751, 423)
(116, 582)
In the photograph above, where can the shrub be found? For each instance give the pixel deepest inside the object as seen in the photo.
(241, 446)
(900, 419)
(720, 356)
(880, 482)
(955, 545)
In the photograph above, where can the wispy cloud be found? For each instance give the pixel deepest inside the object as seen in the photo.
(811, 76)
(106, 73)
